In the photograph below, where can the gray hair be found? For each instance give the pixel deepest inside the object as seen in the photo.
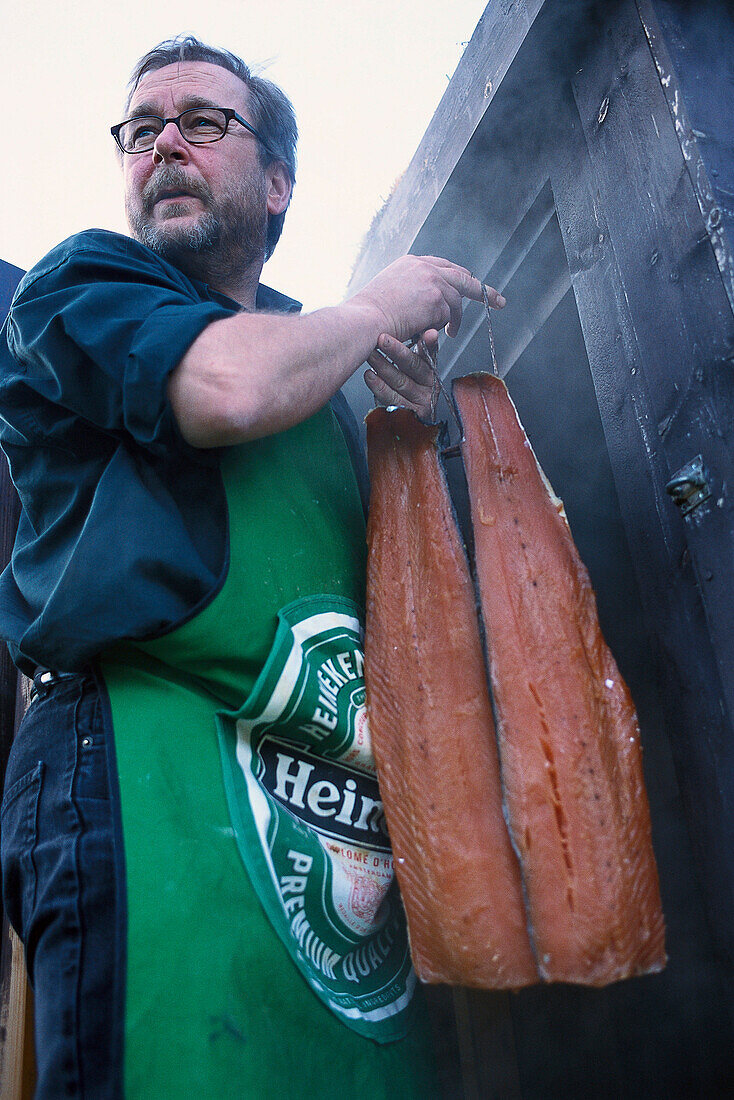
(272, 112)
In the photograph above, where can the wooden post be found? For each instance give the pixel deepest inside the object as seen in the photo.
(17, 1063)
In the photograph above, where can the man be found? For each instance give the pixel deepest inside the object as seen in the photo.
(189, 481)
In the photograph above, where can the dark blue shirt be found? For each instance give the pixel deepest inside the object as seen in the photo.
(123, 528)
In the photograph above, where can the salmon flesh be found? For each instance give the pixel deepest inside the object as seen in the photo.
(431, 722)
(568, 736)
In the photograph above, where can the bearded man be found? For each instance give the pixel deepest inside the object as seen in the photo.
(193, 851)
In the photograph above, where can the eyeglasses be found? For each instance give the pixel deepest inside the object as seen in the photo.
(198, 126)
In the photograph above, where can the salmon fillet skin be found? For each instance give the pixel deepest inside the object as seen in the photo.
(431, 722)
(569, 742)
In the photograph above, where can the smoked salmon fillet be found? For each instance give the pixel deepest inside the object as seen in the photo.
(431, 722)
(568, 736)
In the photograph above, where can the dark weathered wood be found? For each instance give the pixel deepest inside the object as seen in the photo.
(17, 1064)
(446, 1040)
(691, 44)
(665, 392)
(489, 1066)
(613, 394)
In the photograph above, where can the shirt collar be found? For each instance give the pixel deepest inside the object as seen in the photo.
(265, 298)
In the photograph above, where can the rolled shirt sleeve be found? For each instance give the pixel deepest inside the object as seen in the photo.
(97, 328)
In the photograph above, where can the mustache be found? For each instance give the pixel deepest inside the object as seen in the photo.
(172, 178)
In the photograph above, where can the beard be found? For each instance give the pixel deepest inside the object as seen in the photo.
(226, 238)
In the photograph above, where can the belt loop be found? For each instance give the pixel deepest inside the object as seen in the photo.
(44, 679)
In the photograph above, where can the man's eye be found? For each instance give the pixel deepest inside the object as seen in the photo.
(203, 124)
(144, 133)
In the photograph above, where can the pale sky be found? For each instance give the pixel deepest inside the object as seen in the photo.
(365, 77)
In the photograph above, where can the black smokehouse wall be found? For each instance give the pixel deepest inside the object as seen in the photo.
(566, 167)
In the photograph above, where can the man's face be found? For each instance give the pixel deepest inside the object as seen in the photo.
(190, 202)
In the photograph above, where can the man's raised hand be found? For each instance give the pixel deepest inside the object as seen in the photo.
(253, 374)
(418, 293)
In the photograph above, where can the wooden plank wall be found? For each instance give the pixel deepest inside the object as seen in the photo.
(582, 127)
(691, 44)
(17, 1069)
(662, 295)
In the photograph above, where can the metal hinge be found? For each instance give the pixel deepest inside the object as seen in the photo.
(689, 486)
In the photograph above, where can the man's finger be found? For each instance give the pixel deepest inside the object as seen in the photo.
(466, 283)
(385, 395)
(495, 299)
(471, 287)
(458, 277)
(453, 300)
(401, 380)
(398, 381)
(410, 362)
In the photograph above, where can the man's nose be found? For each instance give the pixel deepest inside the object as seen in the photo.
(170, 145)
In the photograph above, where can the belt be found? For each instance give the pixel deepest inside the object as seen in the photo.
(44, 679)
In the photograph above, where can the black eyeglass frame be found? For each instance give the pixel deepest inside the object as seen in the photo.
(228, 113)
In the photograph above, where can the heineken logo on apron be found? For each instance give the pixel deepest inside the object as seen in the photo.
(338, 802)
(309, 821)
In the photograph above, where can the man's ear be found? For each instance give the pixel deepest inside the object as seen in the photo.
(279, 187)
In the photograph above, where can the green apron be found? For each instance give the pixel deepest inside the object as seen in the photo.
(228, 975)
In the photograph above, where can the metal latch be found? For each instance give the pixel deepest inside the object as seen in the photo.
(689, 486)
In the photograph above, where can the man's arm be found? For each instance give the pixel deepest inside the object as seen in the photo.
(254, 374)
